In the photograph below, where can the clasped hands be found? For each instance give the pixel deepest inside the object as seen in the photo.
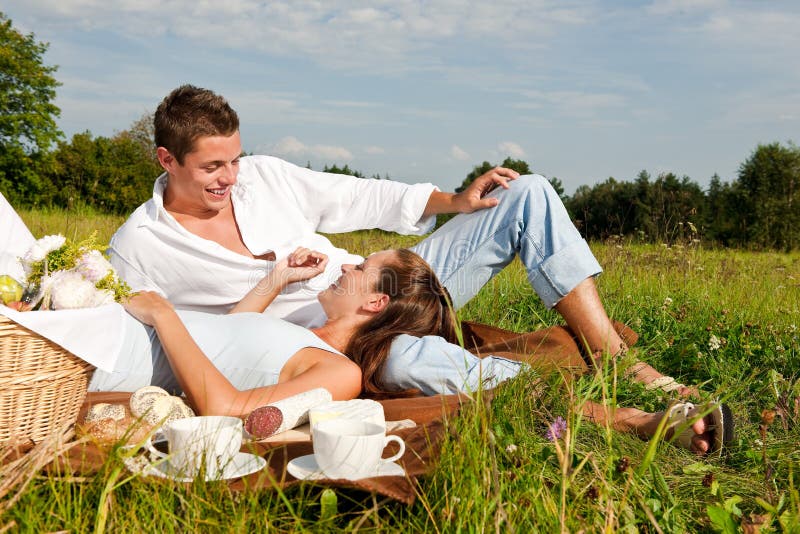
(302, 264)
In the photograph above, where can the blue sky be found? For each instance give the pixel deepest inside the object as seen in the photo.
(425, 90)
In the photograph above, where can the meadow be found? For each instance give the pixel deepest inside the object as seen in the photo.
(726, 320)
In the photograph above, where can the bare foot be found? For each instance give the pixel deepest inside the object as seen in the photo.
(645, 425)
(645, 373)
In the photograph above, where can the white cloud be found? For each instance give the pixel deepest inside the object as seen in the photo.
(289, 146)
(292, 147)
(665, 7)
(389, 36)
(573, 104)
(511, 149)
(336, 153)
(358, 104)
(458, 153)
(374, 150)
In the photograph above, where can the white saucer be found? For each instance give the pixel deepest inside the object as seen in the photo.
(306, 468)
(242, 464)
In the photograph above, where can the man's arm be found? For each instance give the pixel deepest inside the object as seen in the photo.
(473, 198)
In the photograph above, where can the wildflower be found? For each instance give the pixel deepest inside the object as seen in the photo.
(41, 248)
(667, 302)
(714, 343)
(93, 266)
(555, 429)
(511, 448)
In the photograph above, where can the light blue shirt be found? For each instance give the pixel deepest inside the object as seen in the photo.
(434, 366)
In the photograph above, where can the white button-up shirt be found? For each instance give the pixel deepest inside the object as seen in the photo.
(278, 206)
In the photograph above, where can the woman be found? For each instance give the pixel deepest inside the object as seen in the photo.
(392, 296)
(234, 363)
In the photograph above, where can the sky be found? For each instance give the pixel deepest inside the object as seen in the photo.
(423, 91)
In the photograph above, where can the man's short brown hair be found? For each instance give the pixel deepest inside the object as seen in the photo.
(188, 113)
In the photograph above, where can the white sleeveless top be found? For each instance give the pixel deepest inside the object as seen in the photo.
(250, 349)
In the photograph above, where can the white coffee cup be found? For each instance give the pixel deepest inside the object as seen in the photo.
(197, 443)
(344, 448)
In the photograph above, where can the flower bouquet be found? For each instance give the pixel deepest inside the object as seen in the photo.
(64, 275)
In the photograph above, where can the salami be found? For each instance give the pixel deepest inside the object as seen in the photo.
(263, 422)
(293, 411)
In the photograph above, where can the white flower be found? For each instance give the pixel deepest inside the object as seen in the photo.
(66, 290)
(714, 342)
(667, 301)
(93, 266)
(41, 248)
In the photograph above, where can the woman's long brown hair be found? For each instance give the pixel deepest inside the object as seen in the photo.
(419, 305)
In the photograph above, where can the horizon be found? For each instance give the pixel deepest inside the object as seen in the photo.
(424, 92)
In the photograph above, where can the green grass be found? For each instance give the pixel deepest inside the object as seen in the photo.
(726, 319)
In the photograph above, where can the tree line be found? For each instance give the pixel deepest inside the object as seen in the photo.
(759, 208)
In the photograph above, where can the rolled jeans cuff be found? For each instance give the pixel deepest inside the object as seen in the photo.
(560, 273)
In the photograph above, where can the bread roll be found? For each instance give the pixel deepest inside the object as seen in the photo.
(104, 410)
(108, 431)
(143, 398)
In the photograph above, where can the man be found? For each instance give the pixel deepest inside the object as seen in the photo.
(218, 221)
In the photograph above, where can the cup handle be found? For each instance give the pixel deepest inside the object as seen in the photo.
(399, 453)
(155, 452)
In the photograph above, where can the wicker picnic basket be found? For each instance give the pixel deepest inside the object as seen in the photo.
(42, 385)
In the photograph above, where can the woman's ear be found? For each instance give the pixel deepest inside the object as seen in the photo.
(377, 302)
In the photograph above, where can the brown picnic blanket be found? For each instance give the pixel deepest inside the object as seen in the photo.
(549, 349)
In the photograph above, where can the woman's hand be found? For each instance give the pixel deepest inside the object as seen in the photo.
(148, 306)
(302, 264)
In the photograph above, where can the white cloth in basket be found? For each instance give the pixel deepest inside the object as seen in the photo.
(92, 334)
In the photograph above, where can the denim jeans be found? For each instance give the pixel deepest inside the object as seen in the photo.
(530, 220)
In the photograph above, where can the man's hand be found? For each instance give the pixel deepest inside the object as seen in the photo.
(302, 264)
(473, 198)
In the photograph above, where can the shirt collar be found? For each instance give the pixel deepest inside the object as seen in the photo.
(154, 208)
(241, 193)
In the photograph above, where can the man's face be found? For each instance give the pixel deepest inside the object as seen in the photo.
(203, 183)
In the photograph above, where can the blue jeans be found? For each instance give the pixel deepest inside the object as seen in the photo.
(530, 220)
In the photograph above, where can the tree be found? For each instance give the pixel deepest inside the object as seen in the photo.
(518, 165)
(27, 116)
(723, 214)
(769, 185)
(343, 170)
(110, 174)
(27, 88)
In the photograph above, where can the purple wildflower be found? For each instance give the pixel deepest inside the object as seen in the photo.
(555, 429)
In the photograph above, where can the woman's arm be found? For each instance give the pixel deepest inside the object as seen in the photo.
(302, 264)
(207, 388)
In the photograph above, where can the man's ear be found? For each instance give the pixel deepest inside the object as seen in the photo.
(377, 303)
(166, 159)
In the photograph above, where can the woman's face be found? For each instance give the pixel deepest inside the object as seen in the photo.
(354, 291)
